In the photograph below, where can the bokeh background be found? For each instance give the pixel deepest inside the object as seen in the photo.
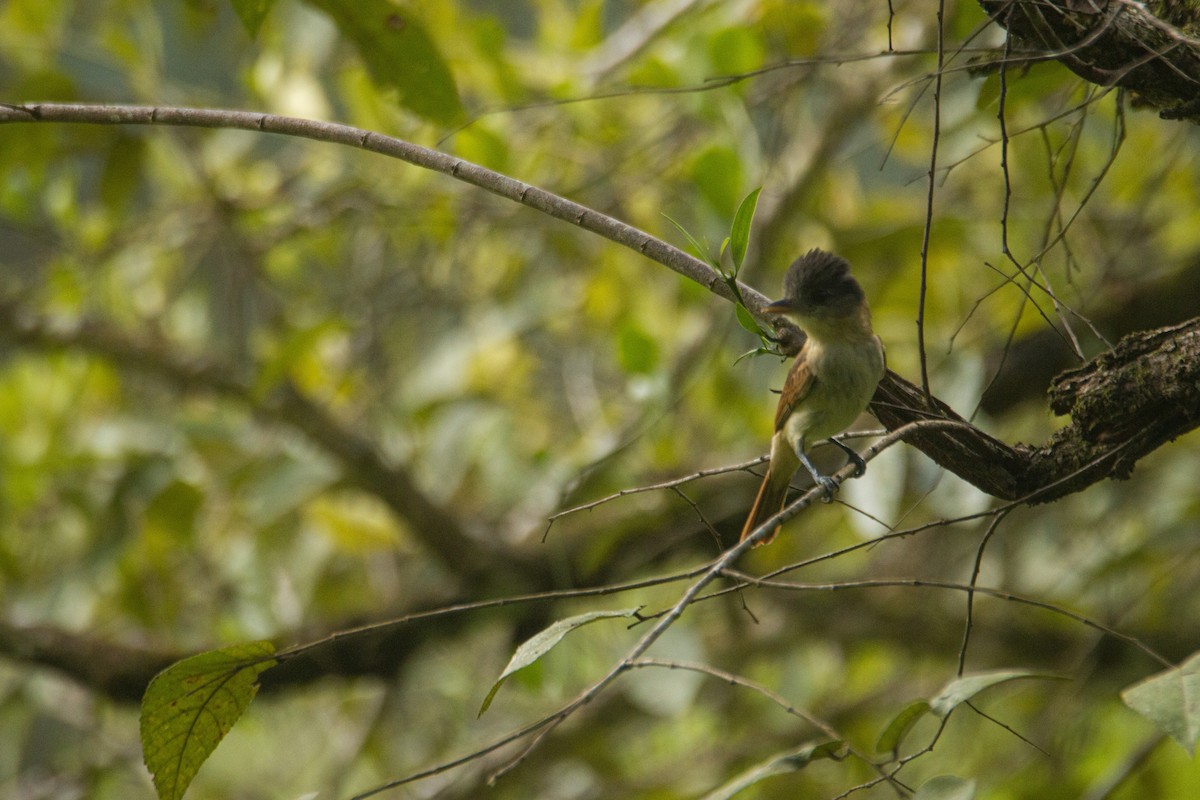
(184, 309)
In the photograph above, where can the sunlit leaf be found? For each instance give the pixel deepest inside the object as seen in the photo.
(399, 53)
(739, 234)
(190, 706)
(541, 643)
(1171, 700)
(792, 761)
(900, 725)
(946, 787)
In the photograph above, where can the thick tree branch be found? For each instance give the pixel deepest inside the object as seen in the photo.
(1029, 365)
(1124, 404)
(1116, 43)
(114, 670)
(122, 672)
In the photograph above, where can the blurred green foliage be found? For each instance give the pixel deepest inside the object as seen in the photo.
(515, 366)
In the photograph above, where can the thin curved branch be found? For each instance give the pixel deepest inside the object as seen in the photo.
(1068, 462)
(509, 188)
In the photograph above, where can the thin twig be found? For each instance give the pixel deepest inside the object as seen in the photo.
(933, 152)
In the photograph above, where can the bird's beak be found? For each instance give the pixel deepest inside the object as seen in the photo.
(783, 306)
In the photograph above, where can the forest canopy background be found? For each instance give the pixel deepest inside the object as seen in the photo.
(262, 388)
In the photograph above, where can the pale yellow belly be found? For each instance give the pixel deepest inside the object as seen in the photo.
(848, 375)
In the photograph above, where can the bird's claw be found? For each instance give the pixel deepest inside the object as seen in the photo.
(828, 486)
(860, 466)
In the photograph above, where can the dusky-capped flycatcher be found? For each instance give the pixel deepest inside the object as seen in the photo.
(831, 381)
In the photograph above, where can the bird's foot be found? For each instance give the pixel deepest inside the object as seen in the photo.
(828, 486)
(860, 466)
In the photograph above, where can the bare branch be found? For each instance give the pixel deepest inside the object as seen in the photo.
(509, 188)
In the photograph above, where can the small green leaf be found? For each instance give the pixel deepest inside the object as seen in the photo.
(746, 320)
(700, 250)
(961, 690)
(190, 706)
(901, 724)
(739, 235)
(946, 787)
(758, 351)
(252, 13)
(542, 642)
(792, 761)
(1171, 700)
(398, 53)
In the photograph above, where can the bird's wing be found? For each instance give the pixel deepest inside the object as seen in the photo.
(799, 383)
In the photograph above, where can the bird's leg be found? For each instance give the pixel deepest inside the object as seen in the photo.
(827, 484)
(860, 466)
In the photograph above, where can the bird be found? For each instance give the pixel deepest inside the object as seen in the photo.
(829, 384)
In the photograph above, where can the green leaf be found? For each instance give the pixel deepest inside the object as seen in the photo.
(793, 761)
(739, 234)
(746, 320)
(901, 724)
(398, 53)
(700, 249)
(190, 706)
(961, 690)
(946, 787)
(252, 13)
(758, 351)
(1171, 700)
(541, 643)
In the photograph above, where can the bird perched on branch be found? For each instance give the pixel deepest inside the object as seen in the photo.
(830, 382)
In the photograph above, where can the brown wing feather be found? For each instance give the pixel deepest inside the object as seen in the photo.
(773, 492)
(796, 387)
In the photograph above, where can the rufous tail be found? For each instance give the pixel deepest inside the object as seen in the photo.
(771, 496)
